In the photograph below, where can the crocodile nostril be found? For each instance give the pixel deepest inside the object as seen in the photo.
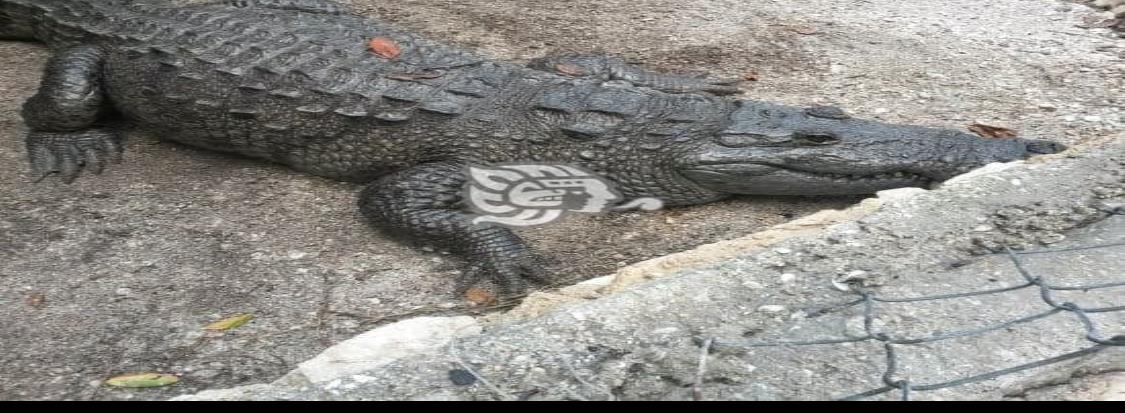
(816, 139)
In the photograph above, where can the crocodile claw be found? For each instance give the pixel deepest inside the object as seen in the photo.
(68, 153)
(510, 272)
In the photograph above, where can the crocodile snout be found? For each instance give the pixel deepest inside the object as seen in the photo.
(1041, 147)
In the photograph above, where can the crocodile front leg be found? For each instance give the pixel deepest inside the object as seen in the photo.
(308, 6)
(62, 117)
(613, 68)
(425, 203)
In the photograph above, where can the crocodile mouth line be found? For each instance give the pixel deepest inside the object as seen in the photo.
(735, 170)
(884, 176)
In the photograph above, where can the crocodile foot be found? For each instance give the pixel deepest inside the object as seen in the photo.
(67, 153)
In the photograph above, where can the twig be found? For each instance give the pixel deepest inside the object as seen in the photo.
(574, 372)
(697, 388)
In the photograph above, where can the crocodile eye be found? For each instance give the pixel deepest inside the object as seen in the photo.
(816, 139)
(827, 112)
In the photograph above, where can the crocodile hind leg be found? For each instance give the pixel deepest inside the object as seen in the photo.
(425, 203)
(612, 68)
(63, 116)
(308, 6)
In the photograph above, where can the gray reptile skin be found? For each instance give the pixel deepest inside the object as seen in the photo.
(300, 82)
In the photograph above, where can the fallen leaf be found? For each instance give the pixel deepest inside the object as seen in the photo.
(750, 76)
(229, 323)
(142, 380)
(384, 47)
(478, 296)
(415, 76)
(805, 30)
(36, 300)
(987, 131)
(570, 70)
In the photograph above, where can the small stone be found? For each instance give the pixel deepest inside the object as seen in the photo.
(462, 377)
(753, 285)
(843, 282)
(788, 278)
(296, 255)
(362, 379)
(1092, 118)
(772, 309)
(777, 264)
(880, 111)
(982, 228)
(1052, 238)
(782, 250)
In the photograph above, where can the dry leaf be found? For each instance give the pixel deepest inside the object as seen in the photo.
(142, 380)
(36, 300)
(570, 70)
(478, 296)
(229, 323)
(750, 76)
(987, 131)
(806, 30)
(384, 47)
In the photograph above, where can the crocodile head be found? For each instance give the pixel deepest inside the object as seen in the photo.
(780, 150)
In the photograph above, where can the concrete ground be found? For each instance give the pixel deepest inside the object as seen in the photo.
(119, 273)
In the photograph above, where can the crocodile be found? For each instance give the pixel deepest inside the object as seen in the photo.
(323, 90)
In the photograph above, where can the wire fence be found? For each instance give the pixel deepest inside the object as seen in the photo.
(891, 345)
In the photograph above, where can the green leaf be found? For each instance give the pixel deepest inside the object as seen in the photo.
(143, 380)
(230, 323)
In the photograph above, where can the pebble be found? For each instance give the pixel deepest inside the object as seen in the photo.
(772, 309)
(462, 377)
